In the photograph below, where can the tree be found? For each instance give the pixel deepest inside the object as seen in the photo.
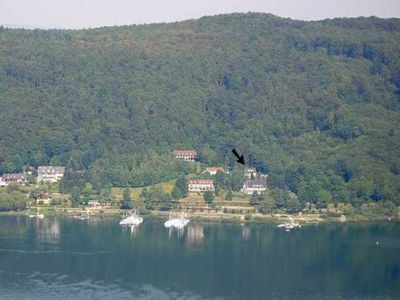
(229, 195)
(281, 197)
(87, 192)
(166, 202)
(104, 195)
(176, 194)
(219, 181)
(126, 195)
(207, 156)
(293, 205)
(255, 199)
(126, 199)
(267, 205)
(324, 197)
(235, 179)
(75, 196)
(208, 197)
(182, 186)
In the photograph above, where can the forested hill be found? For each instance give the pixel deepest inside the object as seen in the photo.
(314, 104)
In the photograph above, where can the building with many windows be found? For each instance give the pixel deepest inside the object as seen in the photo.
(18, 178)
(50, 174)
(254, 185)
(200, 185)
(187, 155)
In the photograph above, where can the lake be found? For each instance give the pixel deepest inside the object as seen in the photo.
(61, 258)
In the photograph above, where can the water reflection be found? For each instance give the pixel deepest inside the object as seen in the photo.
(179, 232)
(47, 230)
(132, 229)
(195, 235)
(254, 261)
(246, 232)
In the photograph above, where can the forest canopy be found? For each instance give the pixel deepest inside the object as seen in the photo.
(316, 105)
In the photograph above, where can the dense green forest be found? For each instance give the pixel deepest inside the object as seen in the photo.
(316, 105)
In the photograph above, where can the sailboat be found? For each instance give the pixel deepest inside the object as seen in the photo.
(289, 225)
(177, 222)
(131, 220)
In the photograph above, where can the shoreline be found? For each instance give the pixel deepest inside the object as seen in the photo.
(303, 219)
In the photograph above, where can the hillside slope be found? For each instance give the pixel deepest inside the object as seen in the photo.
(314, 104)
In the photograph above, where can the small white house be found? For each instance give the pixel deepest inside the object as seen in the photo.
(254, 185)
(2, 182)
(250, 173)
(50, 174)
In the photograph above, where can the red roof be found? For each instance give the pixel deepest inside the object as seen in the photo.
(187, 152)
(215, 169)
(200, 181)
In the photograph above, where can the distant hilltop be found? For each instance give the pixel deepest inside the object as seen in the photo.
(313, 104)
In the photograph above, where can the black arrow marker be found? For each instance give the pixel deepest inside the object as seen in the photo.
(240, 158)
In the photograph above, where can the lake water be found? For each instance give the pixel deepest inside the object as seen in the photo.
(69, 259)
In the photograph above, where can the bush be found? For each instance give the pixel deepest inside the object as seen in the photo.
(208, 197)
(248, 217)
(55, 202)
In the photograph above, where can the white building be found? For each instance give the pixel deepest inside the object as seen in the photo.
(187, 155)
(2, 182)
(18, 178)
(200, 185)
(50, 174)
(254, 185)
(250, 173)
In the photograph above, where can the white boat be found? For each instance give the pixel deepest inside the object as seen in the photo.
(289, 225)
(82, 217)
(37, 215)
(178, 223)
(132, 220)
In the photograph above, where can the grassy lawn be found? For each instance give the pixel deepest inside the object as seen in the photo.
(116, 193)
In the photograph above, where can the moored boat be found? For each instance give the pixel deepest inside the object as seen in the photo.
(38, 215)
(177, 222)
(132, 220)
(289, 225)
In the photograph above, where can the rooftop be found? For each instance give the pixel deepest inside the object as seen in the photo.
(214, 168)
(200, 181)
(185, 152)
(255, 183)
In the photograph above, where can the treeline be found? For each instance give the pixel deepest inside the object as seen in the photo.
(313, 104)
(12, 198)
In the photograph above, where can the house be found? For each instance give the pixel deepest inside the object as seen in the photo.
(2, 182)
(93, 203)
(250, 173)
(44, 201)
(200, 185)
(254, 185)
(214, 170)
(19, 178)
(50, 174)
(186, 155)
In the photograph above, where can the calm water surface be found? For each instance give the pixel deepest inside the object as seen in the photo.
(60, 258)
